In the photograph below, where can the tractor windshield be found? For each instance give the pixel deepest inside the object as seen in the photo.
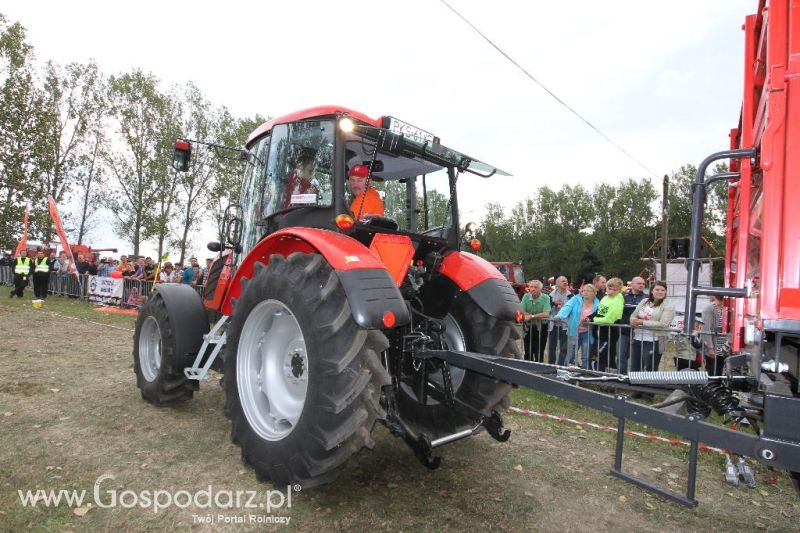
(291, 168)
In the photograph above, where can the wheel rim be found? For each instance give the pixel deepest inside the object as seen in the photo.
(272, 370)
(150, 348)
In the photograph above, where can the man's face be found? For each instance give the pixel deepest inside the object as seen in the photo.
(600, 283)
(637, 285)
(124, 259)
(40, 254)
(534, 289)
(357, 185)
(561, 283)
(80, 257)
(52, 255)
(306, 170)
(193, 260)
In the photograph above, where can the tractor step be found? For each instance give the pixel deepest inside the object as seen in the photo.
(212, 338)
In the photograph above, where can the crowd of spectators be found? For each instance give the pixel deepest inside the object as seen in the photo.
(142, 268)
(615, 326)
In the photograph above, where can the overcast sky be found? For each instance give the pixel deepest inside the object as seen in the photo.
(662, 79)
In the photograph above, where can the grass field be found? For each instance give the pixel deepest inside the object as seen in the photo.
(70, 413)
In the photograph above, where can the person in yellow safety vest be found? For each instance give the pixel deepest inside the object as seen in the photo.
(22, 269)
(41, 274)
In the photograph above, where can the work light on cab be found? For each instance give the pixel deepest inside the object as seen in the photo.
(346, 124)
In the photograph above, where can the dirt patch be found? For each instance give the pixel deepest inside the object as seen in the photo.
(70, 413)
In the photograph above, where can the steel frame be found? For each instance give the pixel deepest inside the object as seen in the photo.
(544, 378)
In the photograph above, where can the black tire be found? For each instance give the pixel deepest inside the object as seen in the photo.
(345, 375)
(167, 384)
(482, 334)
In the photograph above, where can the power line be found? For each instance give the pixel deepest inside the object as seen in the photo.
(548, 91)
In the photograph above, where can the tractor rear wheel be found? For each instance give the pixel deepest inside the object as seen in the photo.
(153, 345)
(302, 379)
(468, 328)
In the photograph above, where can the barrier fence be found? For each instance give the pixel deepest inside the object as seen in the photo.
(118, 292)
(621, 348)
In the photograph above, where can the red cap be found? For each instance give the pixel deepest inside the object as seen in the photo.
(358, 171)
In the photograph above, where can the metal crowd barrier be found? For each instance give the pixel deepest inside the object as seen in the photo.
(6, 275)
(621, 348)
(134, 291)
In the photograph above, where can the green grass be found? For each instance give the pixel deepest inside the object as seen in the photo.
(68, 308)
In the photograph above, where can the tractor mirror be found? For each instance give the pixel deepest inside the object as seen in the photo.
(214, 246)
(234, 233)
(182, 155)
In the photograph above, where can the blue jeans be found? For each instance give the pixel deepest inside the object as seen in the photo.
(582, 341)
(644, 356)
(557, 337)
(623, 347)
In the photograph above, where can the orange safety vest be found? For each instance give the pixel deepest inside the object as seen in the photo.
(372, 204)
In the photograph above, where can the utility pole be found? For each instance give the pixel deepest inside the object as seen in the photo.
(664, 227)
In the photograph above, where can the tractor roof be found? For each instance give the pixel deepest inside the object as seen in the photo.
(314, 112)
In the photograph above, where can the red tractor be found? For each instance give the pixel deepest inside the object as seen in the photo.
(515, 275)
(326, 313)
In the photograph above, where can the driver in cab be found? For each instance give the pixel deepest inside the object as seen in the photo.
(366, 201)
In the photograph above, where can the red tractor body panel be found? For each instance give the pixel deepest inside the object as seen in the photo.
(342, 252)
(467, 270)
(763, 231)
(217, 286)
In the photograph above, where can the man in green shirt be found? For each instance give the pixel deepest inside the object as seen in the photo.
(535, 306)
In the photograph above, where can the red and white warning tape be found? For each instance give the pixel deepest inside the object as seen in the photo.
(610, 429)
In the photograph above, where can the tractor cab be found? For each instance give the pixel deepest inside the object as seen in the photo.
(297, 175)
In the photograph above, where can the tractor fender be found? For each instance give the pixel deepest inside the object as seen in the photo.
(187, 318)
(369, 287)
(482, 282)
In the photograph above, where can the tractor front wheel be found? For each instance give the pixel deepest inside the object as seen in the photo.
(153, 346)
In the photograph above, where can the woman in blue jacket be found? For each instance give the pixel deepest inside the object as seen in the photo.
(577, 312)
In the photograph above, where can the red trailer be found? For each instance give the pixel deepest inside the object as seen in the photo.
(763, 235)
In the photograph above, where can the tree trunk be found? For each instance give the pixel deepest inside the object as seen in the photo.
(86, 195)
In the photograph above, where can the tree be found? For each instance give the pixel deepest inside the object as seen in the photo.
(198, 122)
(90, 185)
(73, 103)
(139, 153)
(18, 129)
(227, 171)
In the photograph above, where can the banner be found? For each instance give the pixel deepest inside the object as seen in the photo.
(105, 290)
(23, 242)
(61, 235)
